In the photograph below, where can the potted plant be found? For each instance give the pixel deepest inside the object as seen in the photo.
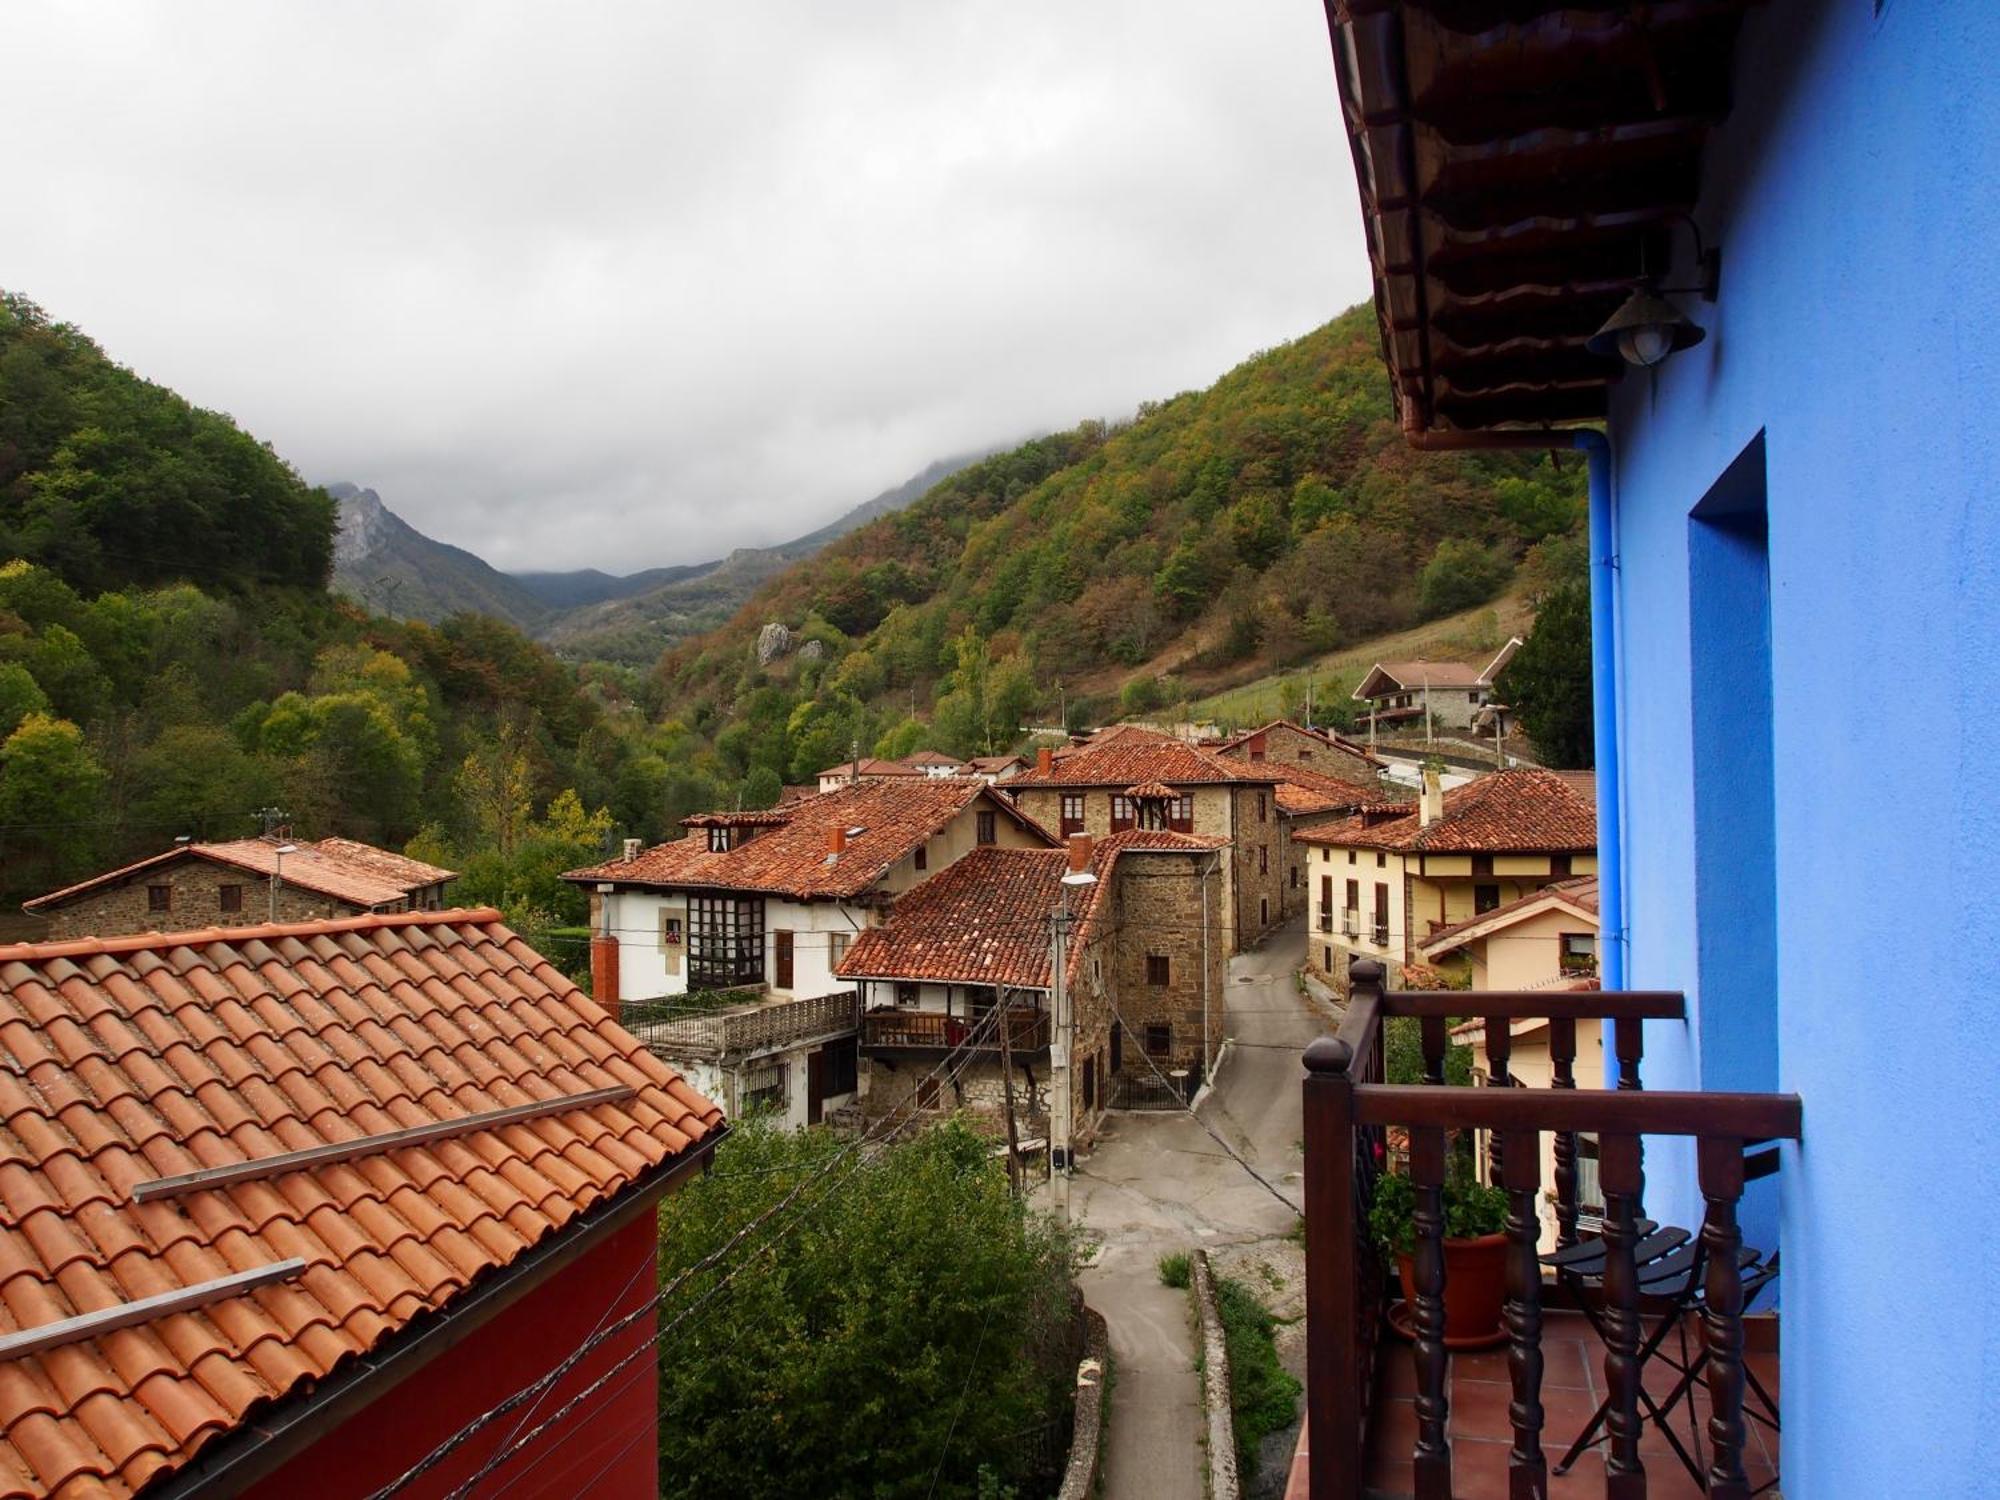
(1475, 1252)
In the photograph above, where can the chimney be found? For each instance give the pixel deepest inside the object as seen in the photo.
(1080, 848)
(631, 850)
(604, 952)
(1430, 806)
(1045, 760)
(836, 843)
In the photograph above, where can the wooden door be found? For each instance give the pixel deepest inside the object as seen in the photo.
(815, 1075)
(782, 958)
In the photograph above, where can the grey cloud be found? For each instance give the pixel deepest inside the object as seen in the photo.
(631, 284)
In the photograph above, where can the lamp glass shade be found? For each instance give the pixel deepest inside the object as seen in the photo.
(1644, 331)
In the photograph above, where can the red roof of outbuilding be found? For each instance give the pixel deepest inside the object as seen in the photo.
(1129, 759)
(125, 1060)
(357, 873)
(883, 820)
(1513, 811)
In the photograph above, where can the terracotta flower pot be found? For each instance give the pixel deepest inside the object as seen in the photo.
(1475, 1289)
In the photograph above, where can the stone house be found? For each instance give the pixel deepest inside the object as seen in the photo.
(1141, 779)
(1281, 742)
(1427, 696)
(1389, 877)
(960, 976)
(240, 883)
(766, 904)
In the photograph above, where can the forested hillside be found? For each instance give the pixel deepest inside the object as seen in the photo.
(170, 662)
(1223, 533)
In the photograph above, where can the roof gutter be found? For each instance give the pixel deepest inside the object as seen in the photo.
(1604, 603)
(267, 1441)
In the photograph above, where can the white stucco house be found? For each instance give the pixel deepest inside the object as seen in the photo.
(764, 905)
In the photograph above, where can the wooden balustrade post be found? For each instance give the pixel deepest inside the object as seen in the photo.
(1335, 1403)
(1432, 1029)
(1562, 1053)
(1433, 1454)
(1720, 1167)
(1521, 1175)
(1623, 1181)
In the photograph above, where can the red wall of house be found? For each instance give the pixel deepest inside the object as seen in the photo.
(607, 1447)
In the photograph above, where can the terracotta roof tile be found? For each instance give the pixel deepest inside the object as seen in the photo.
(1512, 811)
(984, 919)
(1305, 791)
(181, 1051)
(356, 873)
(1130, 759)
(893, 818)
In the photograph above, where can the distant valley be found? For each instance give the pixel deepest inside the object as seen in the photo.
(387, 565)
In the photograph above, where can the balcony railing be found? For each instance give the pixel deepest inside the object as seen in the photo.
(928, 1030)
(747, 1029)
(1348, 1109)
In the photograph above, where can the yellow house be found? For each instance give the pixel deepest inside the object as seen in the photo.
(1546, 940)
(1388, 879)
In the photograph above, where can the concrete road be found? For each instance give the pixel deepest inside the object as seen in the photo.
(1158, 1183)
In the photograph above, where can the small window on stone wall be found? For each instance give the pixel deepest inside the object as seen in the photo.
(159, 898)
(229, 897)
(1159, 1040)
(1157, 969)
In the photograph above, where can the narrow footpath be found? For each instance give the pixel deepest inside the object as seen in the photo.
(1157, 1184)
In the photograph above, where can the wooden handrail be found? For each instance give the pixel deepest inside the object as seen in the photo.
(1649, 1112)
(1519, 1005)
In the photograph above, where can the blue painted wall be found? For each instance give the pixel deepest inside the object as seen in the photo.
(1856, 194)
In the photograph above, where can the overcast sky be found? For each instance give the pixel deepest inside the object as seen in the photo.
(620, 285)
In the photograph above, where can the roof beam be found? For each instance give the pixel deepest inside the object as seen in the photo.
(262, 1167)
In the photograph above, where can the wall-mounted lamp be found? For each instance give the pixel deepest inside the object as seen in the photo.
(1647, 328)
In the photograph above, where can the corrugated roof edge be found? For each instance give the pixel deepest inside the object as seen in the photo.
(138, 942)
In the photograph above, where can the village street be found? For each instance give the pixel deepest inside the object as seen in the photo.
(1157, 1184)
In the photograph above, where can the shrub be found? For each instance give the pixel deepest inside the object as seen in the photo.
(1263, 1395)
(1460, 574)
(1175, 1270)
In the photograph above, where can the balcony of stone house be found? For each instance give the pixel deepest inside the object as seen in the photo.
(1637, 1359)
(901, 1016)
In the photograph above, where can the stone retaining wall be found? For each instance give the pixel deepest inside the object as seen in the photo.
(1222, 1480)
(1080, 1478)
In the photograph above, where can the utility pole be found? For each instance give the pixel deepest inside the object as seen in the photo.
(1061, 1106)
(1007, 1087)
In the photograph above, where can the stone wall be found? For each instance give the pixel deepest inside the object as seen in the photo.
(1258, 861)
(1159, 914)
(194, 900)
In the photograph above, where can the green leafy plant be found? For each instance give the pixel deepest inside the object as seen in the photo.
(1471, 1209)
(1263, 1394)
(1175, 1270)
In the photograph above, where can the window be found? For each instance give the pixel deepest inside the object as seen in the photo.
(1354, 895)
(906, 996)
(764, 1088)
(1485, 898)
(1159, 1040)
(836, 948)
(1117, 1048)
(159, 898)
(1180, 813)
(1122, 816)
(1090, 1083)
(983, 830)
(1579, 953)
(1352, 856)
(1256, 754)
(1157, 969)
(1263, 859)
(718, 841)
(1305, 755)
(922, 858)
(1153, 813)
(1263, 807)
(725, 940)
(670, 931)
(1559, 866)
(229, 897)
(1264, 911)
(1326, 902)
(781, 958)
(1482, 864)
(1295, 877)
(843, 1065)
(1327, 962)
(1381, 860)
(1072, 813)
(980, 999)
(1381, 932)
